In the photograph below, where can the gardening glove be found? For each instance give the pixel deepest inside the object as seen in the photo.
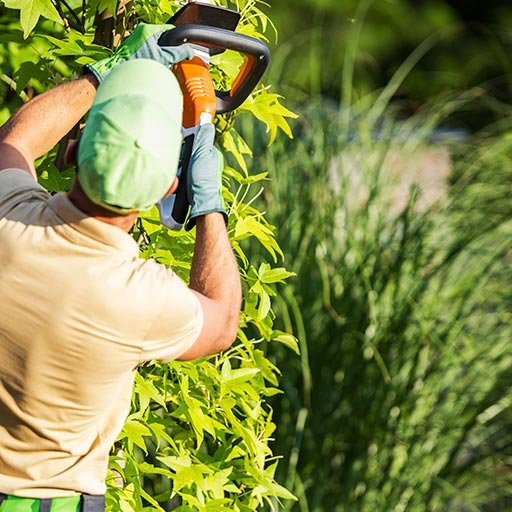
(142, 44)
(204, 183)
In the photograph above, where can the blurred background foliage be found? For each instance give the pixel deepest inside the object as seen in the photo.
(393, 206)
(471, 45)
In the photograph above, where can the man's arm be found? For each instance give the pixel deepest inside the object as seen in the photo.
(214, 275)
(216, 281)
(43, 121)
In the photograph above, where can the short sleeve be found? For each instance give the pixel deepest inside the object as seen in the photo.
(16, 187)
(178, 324)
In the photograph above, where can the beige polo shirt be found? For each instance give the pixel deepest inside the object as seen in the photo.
(79, 310)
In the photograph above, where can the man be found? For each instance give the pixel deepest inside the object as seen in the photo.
(79, 309)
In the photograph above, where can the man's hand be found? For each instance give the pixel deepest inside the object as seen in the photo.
(214, 275)
(142, 44)
(204, 181)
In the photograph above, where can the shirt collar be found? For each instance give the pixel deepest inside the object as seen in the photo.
(89, 226)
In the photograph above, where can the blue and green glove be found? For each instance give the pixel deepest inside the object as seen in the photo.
(142, 44)
(204, 181)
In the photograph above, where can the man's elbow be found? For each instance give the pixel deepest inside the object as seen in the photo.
(231, 333)
(14, 155)
(208, 345)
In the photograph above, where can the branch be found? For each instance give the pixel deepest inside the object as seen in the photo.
(12, 84)
(61, 14)
(84, 13)
(79, 25)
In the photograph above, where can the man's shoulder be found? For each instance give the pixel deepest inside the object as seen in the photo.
(151, 277)
(17, 186)
(14, 176)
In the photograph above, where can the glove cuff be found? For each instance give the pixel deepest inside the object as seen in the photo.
(191, 221)
(89, 70)
(103, 67)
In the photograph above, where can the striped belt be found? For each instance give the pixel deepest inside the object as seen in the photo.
(82, 503)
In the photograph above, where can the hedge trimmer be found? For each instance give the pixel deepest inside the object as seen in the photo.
(210, 30)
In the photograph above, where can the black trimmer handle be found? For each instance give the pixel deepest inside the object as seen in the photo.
(181, 204)
(256, 53)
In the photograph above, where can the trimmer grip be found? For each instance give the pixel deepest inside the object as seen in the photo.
(197, 88)
(181, 204)
(256, 53)
(198, 107)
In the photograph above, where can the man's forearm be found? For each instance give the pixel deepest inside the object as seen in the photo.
(214, 269)
(44, 120)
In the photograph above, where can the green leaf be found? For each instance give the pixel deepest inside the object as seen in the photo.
(235, 145)
(229, 63)
(52, 179)
(151, 500)
(288, 340)
(281, 492)
(273, 275)
(76, 47)
(252, 226)
(28, 71)
(268, 369)
(147, 392)
(31, 11)
(241, 375)
(216, 482)
(149, 469)
(101, 5)
(135, 431)
(188, 477)
(200, 423)
(266, 107)
(176, 463)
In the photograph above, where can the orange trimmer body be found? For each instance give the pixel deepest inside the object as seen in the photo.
(198, 91)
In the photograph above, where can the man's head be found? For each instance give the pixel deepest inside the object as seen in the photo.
(128, 153)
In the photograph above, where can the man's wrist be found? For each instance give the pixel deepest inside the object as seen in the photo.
(192, 221)
(91, 79)
(210, 220)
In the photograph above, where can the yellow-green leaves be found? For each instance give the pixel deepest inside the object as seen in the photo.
(252, 226)
(135, 432)
(265, 107)
(78, 47)
(31, 11)
(232, 142)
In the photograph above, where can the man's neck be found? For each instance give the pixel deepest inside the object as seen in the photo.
(82, 202)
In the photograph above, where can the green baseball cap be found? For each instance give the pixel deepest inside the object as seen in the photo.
(128, 153)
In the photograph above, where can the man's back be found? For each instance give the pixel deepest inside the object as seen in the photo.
(78, 309)
(81, 313)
